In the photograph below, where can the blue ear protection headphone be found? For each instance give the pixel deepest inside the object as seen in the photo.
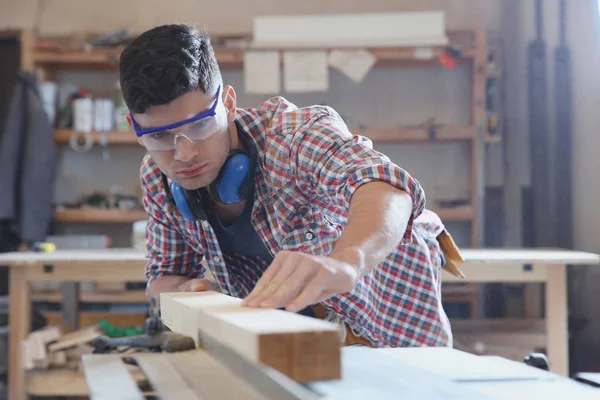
(231, 186)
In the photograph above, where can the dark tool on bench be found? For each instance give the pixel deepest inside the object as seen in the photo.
(537, 360)
(156, 338)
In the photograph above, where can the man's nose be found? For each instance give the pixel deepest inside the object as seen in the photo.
(184, 149)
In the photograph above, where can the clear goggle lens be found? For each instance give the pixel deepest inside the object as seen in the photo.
(194, 132)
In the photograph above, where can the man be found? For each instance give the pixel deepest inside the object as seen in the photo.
(284, 205)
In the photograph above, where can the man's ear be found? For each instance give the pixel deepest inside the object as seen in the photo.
(229, 100)
(130, 122)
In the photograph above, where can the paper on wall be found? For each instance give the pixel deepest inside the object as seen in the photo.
(355, 64)
(262, 72)
(305, 71)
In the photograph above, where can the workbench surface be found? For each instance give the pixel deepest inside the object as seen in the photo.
(486, 255)
(406, 373)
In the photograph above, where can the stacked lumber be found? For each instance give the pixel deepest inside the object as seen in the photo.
(49, 348)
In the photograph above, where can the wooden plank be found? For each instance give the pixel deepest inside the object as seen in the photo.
(207, 376)
(302, 348)
(72, 339)
(19, 323)
(270, 383)
(165, 380)
(108, 379)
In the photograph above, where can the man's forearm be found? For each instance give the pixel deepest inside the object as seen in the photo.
(378, 218)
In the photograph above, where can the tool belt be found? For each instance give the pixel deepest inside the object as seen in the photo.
(451, 254)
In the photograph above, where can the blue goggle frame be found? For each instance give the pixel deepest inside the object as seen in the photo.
(209, 113)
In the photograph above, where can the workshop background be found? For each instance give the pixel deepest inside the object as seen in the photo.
(96, 189)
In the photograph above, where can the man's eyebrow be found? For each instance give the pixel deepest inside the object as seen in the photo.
(212, 104)
(169, 130)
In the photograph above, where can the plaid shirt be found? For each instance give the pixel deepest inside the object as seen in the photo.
(309, 165)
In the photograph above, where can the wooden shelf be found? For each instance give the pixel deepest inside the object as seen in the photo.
(63, 136)
(129, 296)
(89, 318)
(445, 133)
(87, 215)
(228, 59)
(233, 58)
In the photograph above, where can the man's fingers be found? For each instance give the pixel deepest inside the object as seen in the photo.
(265, 279)
(309, 295)
(287, 268)
(196, 285)
(290, 287)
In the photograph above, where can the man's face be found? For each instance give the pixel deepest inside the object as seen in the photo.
(191, 154)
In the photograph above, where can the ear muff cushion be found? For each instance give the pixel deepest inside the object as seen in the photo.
(180, 197)
(232, 179)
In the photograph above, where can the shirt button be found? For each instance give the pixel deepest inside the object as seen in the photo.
(217, 259)
(205, 224)
(309, 235)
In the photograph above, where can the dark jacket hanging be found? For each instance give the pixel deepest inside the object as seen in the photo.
(27, 164)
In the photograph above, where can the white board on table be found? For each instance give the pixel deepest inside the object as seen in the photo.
(389, 29)
(459, 366)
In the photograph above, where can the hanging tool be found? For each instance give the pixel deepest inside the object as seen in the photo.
(563, 151)
(544, 233)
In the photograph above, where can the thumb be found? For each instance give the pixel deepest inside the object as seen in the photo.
(200, 285)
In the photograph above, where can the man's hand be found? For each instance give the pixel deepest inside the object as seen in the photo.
(195, 285)
(177, 283)
(295, 280)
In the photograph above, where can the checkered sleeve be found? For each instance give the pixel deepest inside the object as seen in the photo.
(167, 251)
(334, 163)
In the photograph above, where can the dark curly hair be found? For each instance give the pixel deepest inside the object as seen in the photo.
(165, 63)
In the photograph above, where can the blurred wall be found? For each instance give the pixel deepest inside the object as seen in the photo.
(218, 17)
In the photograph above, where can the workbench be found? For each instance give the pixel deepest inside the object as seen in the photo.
(548, 266)
(118, 265)
(406, 373)
(106, 265)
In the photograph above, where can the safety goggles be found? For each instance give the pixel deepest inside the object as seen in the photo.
(199, 127)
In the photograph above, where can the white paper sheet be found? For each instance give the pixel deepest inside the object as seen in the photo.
(262, 72)
(355, 64)
(305, 71)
